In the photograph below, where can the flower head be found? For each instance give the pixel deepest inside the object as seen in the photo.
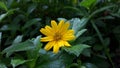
(57, 35)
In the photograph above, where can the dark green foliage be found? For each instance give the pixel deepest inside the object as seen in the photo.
(96, 24)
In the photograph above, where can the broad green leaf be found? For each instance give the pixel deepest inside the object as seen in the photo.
(3, 6)
(18, 39)
(75, 24)
(87, 52)
(90, 65)
(16, 62)
(17, 19)
(76, 49)
(88, 3)
(34, 53)
(27, 45)
(37, 41)
(78, 24)
(82, 39)
(2, 16)
(50, 60)
(61, 19)
(31, 22)
(11, 11)
(82, 67)
(10, 3)
(2, 65)
(4, 27)
(31, 8)
(53, 64)
(79, 33)
(83, 22)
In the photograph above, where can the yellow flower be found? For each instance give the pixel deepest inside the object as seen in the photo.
(57, 35)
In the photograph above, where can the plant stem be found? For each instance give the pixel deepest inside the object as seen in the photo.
(102, 41)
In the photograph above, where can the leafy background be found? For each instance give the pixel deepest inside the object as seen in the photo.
(96, 25)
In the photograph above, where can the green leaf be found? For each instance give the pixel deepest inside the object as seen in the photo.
(88, 3)
(37, 41)
(77, 49)
(18, 39)
(83, 22)
(31, 8)
(31, 22)
(10, 3)
(61, 19)
(16, 62)
(75, 22)
(101, 9)
(83, 39)
(82, 67)
(53, 64)
(90, 65)
(2, 16)
(87, 52)
(2, 65)
(78, 24)
(34, 53)
(50, 60)
(3, 6)
(79, 33)
(4, 27)
(27, 45)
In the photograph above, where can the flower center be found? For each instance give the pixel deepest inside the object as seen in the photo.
(57, 36)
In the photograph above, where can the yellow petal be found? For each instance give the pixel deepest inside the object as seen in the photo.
(64, 28)
(46, 39)
(66, 43)
(70, 32)
(69, 35)
(49, 45)
(61, 24)
(45, 32)
(54, 24)
(61, 43)
(49, 30)
(56, 48)
(67, 38)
